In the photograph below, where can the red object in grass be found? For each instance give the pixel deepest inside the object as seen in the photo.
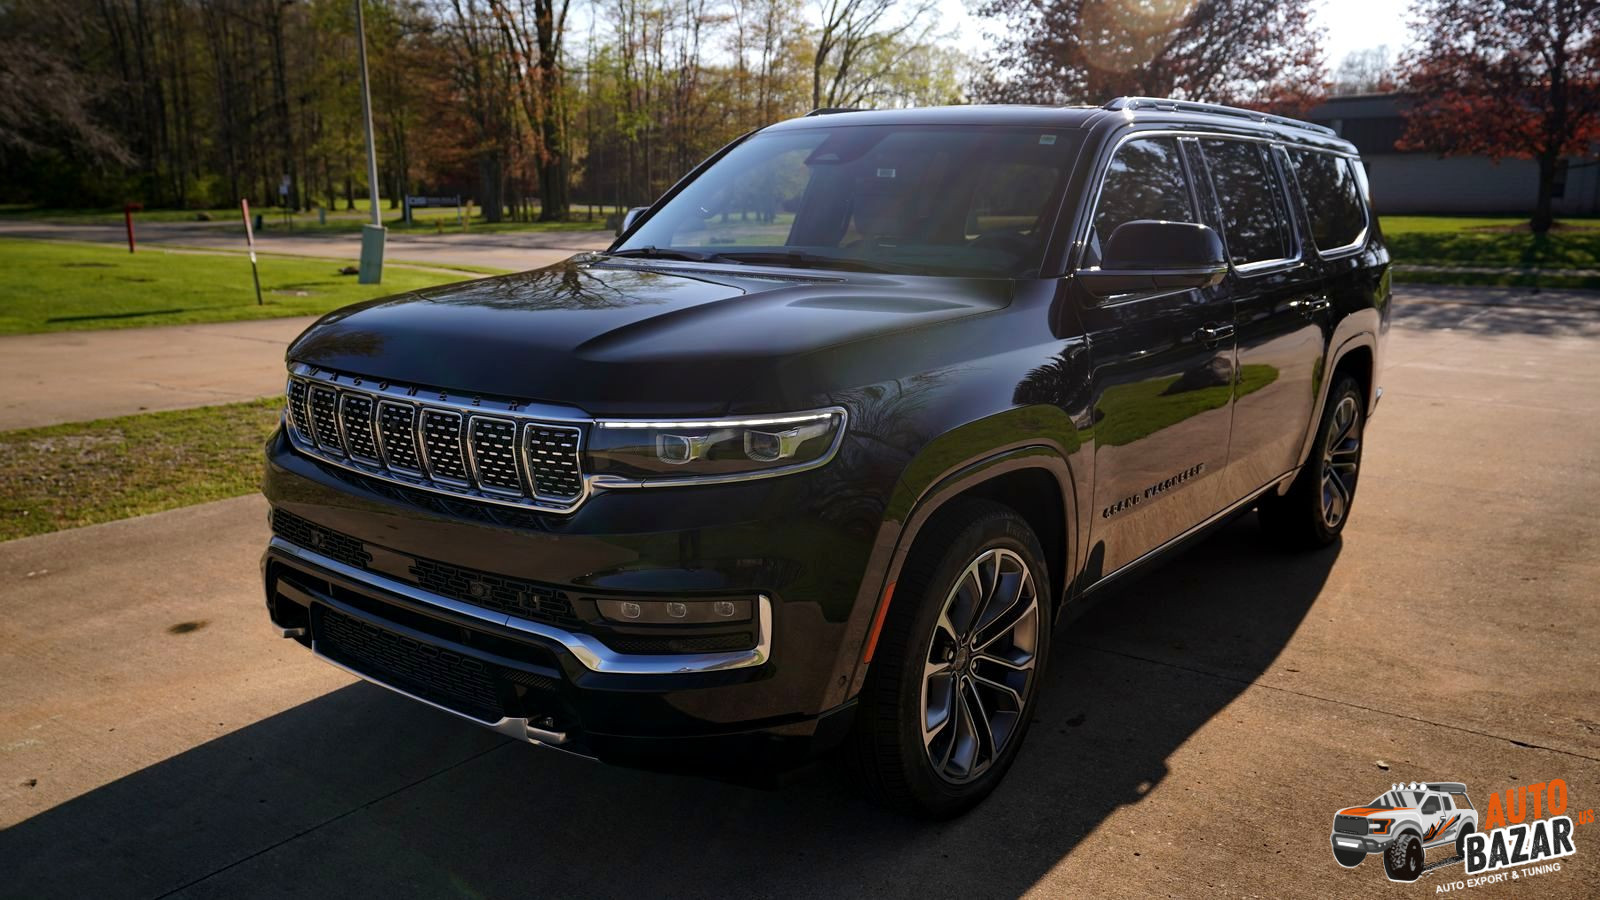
(128, 209)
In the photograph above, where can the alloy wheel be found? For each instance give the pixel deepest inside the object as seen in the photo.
(1341, 457)
(978, 673)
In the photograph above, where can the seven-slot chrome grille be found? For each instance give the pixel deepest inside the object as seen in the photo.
(485, 449)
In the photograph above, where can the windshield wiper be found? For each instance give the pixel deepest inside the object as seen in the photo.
(658, 253)
(796, 259)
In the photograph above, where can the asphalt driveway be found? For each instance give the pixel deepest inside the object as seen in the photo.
(1197, 733)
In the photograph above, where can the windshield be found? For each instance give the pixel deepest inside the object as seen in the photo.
(975, 201)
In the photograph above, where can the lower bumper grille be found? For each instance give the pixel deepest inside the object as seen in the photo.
(433, 673)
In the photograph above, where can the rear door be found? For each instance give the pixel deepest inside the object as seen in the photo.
(1162, 367)
(1278, 311)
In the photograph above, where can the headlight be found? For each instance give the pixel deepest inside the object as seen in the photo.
(1378, 826)
(711, 450)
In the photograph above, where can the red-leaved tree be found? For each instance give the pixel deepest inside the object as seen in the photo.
(1263, 53)
(1506, 79)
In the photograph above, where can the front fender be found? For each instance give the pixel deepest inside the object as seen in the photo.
(1029, 437)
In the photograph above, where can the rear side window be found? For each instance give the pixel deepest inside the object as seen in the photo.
(1333, 199)
(1255, 221)
(1145, 180)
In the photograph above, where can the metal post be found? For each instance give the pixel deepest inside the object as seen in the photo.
(250, 241)
(372, 234)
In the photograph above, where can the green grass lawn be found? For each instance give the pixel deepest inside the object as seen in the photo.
(59, 286)
(63, 476)
(340, 221)
(1499, 242)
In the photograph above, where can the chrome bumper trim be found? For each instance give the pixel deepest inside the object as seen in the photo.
(588, 651)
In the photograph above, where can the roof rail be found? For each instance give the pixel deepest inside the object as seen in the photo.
(833, 110)
(1216, 109)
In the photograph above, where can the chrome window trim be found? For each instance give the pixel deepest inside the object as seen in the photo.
(1081, 233)
(587, 650)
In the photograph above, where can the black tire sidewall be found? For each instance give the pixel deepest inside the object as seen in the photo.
(1409, 846)
(998, 529)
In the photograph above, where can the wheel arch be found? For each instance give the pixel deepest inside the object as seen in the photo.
(1356, 354)
(1035, 479)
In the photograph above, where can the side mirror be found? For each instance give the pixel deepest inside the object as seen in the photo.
(630, 217)
(1148, 255)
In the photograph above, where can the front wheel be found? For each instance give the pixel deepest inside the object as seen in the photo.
(1317, 505)
(956, 671)
(1403, 860)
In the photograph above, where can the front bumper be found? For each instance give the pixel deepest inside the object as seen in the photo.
(766, 707)
(1346, 843)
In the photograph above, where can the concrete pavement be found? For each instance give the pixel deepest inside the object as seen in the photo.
(74, 376)
(1197, 733)
(513, 250)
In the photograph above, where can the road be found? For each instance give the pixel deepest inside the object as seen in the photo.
(511, 250)
(1197, 731)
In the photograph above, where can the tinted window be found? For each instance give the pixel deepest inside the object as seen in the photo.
(1254, 222)
(1333, 199)
(1144, 181)
(921, 199)
(1430, 807)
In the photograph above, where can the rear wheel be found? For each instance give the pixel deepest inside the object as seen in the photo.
(1317, 505)
(955, 673)
(1461, 840)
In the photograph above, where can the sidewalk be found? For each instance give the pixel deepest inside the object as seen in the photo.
(74, 376)
(511, 250)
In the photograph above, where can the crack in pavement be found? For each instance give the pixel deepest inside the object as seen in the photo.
(1220, 676)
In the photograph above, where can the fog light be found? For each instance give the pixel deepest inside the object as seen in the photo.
(675, 612)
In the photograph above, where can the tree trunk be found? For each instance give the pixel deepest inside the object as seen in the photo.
(1542, 217)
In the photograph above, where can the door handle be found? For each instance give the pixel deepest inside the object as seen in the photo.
(1213, 334)
(1310, 306)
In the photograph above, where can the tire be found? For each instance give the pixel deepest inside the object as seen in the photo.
(1349, 858)
(1461, 840)
(938, 658)
(1403, 860)
(1318, 503)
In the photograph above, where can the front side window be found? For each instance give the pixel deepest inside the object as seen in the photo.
(1333, 199)
(913, 199)
(1255, 222)
(1145, 180)
(1431, 806)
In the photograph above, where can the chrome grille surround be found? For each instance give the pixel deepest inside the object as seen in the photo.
(492, 450)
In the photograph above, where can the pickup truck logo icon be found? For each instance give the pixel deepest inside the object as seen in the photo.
(1402, 824)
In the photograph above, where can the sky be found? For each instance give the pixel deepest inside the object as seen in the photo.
(1350, 25)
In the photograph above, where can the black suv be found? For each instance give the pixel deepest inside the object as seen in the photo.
(820, 450)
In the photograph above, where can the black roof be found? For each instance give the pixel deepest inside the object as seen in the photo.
(1132, 110)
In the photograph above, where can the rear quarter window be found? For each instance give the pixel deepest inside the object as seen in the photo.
(1332, 196)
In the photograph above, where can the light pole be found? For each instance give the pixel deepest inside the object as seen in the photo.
(372, 233)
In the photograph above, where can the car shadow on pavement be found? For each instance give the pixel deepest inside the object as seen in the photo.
(361, 792)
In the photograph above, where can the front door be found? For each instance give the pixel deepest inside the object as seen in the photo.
(1162, 367)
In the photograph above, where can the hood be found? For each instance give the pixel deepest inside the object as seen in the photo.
(1364, 811)
(614, 336)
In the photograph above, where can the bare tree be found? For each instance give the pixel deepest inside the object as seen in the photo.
(848, 62)
(1364, 72)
